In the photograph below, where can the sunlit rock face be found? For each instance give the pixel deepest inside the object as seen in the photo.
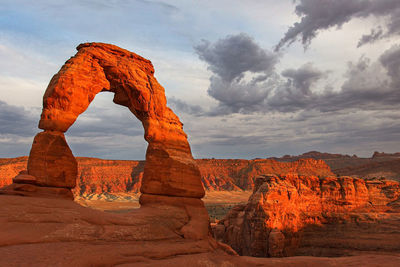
(170, 176)
(309, 215)
(170, 168)
(96, 176)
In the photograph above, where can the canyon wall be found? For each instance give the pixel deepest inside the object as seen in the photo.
(96, 176)
(308, 215)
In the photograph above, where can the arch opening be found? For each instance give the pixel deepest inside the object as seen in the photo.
(108, 143)
(107, 131)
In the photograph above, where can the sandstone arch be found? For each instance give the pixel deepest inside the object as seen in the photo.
(169, 170)
(171, 204)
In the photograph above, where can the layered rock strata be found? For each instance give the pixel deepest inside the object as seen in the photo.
(320, 216)
(97, 176)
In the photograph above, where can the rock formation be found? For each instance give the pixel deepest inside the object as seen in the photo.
(319, 216)
(171, 176)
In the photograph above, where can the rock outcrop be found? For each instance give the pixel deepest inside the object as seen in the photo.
(320, 216)
(170, 176)
(237, 174)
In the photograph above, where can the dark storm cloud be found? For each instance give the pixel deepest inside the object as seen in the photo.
(390, 59)
(231, 59)
(317, 15)
(303, 77)
(295, 93)
(17, 120)
(367, 85)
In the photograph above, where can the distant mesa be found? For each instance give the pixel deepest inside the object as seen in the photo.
(316, 155)
(385, 155)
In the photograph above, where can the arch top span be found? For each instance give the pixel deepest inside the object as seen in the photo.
(170, 169)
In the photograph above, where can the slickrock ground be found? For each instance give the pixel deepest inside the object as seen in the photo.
(57, 232)
(319, 216)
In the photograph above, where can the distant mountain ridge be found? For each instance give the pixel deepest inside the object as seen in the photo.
(315, 155)
(381, 164)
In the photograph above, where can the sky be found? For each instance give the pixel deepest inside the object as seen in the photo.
(248, 79)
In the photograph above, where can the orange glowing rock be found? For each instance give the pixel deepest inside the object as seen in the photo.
(171, 178)
(170, 168)
(51, 161)
(306, 215)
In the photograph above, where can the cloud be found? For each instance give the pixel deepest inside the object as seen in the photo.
(275, 134)
(373, 36)
(108, 132)
(230, 57)
(390, 59)
(303, 77)
(180, 105)
(242, 71)
(367, 85)
(16, 120)
(106, 121)
(318, 15)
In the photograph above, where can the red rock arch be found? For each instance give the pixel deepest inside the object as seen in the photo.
(170, 169)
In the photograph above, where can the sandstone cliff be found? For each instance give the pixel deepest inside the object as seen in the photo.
(96, 176)
(308, 215)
